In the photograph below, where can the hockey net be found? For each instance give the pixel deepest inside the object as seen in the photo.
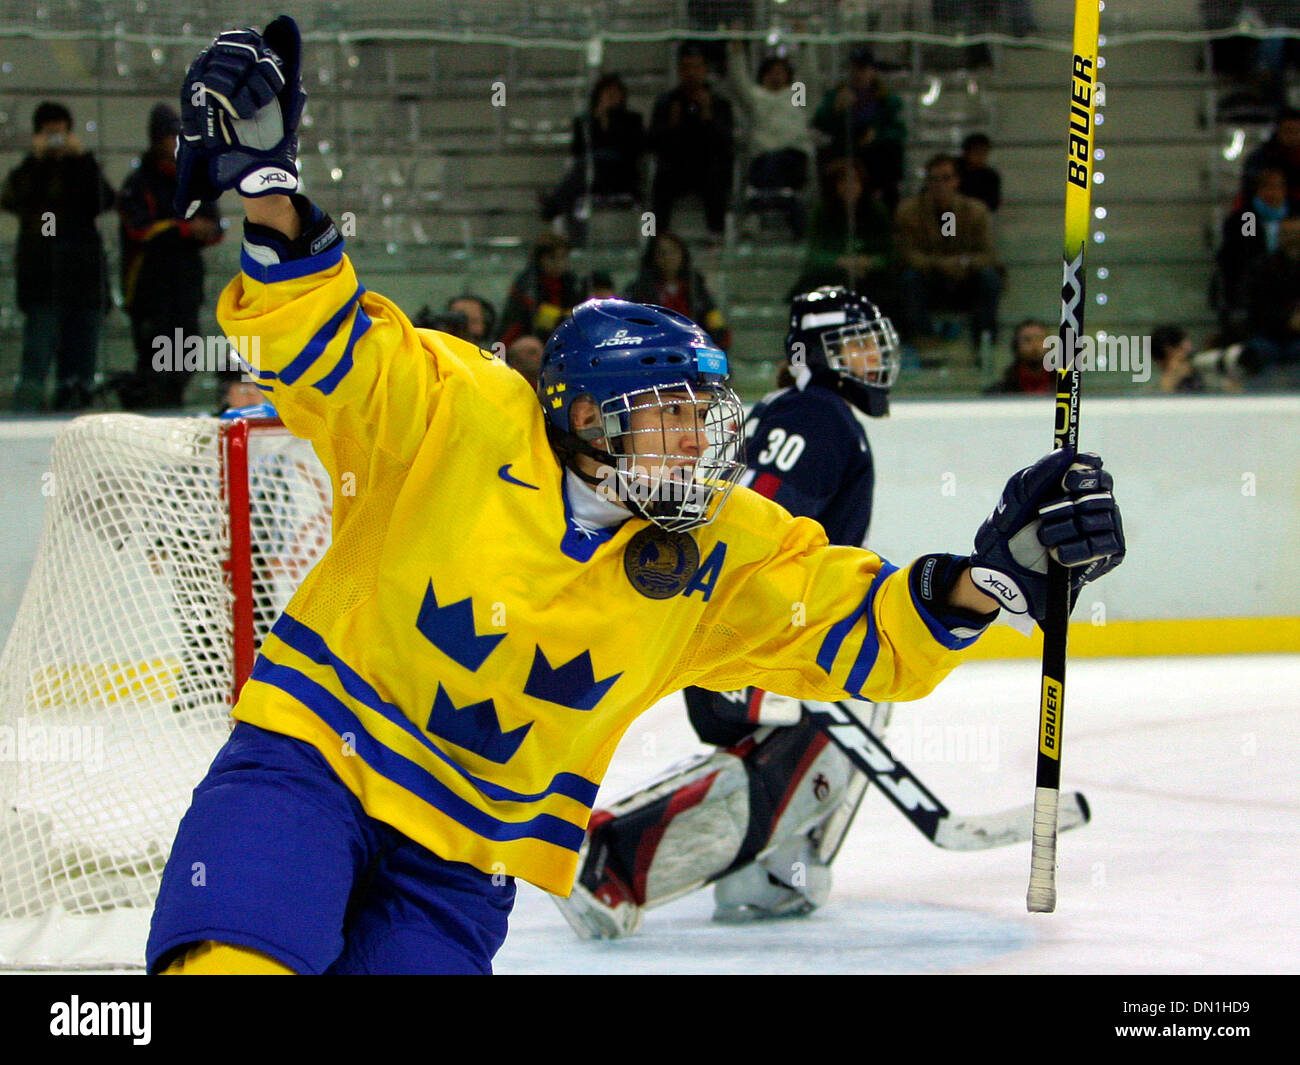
(169, 547)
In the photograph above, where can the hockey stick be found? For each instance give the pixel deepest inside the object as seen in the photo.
(1041, 896)
(836, 827)
(918, 803)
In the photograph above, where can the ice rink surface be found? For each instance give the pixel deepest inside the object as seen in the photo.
(1188, 867)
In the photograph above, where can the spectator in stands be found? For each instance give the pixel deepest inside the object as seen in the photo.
(865, 120)
(1281, 152)
(1180, 372)
(667, 279)
(691, 135)
(1248, 235)
(944, 242)
(543, 295)
(1028, 372)
(600, 286)
(608, 144)
(468, 316)
(780, 141)
(445, 321)
(979, 180)
(850, 237)
(1257, 65)
(236, 393)
(162, 267)
(1273, 306)
(525, 357)
(1171, 351)
(61, 272)
(480, 317)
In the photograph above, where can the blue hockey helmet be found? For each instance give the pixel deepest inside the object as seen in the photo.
(637, 363)
(612, 347)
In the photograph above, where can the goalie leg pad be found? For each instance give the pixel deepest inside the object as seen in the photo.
(805, 781)
(791, 881)
(703, 820)
(659, 843)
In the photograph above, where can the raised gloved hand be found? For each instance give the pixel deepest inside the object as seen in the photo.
(1059, 505)
(241, 103)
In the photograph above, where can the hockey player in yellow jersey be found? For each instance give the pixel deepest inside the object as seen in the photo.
(510, 583)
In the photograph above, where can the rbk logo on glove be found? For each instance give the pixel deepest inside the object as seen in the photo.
(992, 583)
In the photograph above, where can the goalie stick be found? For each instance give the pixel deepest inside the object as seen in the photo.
(919, 804)
(1041, 895)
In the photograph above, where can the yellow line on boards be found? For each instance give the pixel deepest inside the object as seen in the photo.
(1137, 639)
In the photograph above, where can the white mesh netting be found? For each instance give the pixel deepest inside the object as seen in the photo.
(116, 681)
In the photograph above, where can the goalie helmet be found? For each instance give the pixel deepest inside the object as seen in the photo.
(669, 429)
(842, 341)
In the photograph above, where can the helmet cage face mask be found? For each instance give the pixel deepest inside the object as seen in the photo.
(865, 351)
(678, 451)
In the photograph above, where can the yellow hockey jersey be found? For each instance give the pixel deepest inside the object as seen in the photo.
(465, 656)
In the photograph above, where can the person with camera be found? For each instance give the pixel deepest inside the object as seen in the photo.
(468, 316)
(1171, 351)
(1183, 371)
(57, 191)
(692, 136)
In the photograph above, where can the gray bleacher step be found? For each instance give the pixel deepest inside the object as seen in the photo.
(1151, 62)
(1129, 113)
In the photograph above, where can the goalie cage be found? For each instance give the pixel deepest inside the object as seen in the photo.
(169, 547)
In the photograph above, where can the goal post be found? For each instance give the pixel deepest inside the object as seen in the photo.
(169, 546)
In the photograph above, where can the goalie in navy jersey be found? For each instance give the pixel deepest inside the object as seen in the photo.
(762, 817)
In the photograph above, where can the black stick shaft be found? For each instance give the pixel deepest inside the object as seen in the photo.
(1041, 897)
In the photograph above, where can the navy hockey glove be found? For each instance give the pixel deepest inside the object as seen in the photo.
(240, 105)
(1057, 505)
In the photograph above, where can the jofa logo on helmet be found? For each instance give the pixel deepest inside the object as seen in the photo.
(620, 339)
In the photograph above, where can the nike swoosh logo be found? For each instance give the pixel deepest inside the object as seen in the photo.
(504, 474)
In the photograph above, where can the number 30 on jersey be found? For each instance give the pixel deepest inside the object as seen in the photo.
(782, 450)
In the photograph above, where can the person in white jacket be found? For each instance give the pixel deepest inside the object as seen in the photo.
(780, 139)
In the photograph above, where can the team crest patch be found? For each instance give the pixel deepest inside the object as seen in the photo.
(660, 563)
